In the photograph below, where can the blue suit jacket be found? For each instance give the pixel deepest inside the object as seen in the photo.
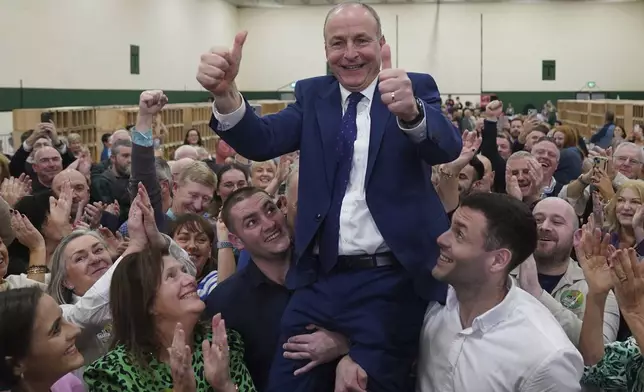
(399, 193)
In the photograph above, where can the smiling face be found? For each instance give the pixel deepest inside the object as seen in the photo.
(259, 226)
(627, 160)
(547, 154)
(516, 127)
(86, 260)
(79, 186)
(463, 258)
(556, 226)
(503, 147)
(192, 238)
(176, 296)
(628, 201)
(231, 180)
(191, 197)
(520, 167)
(560, 138)
(193, 137)
(352, 44)
(52, 350)
(263, 173)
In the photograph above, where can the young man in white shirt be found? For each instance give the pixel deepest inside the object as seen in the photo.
(491, 336)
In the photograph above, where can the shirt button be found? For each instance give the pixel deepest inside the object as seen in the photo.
(318, 217)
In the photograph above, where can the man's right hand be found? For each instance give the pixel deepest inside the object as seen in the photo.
(218, 70)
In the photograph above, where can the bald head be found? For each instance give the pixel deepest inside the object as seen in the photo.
(353, 7)
(555, 206)
(78, 183)
(186, 151)
(121, 134)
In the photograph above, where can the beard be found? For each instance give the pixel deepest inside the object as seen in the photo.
(557, 255)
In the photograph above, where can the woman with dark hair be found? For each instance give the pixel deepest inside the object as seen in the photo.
(230, 178)
(50, 217)
(158, 342)
(38, 346)
(194, 234)
(193, 138)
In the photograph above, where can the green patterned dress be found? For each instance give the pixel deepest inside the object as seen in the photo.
(620, 369)
(115, 372)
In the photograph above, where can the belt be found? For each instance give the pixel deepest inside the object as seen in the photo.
(366, 261)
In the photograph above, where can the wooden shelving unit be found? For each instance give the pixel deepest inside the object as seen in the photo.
(588, 116)
(92, 122)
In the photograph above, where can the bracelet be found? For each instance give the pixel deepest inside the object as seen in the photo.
(442, 172)
(37, 269)
(224, 245)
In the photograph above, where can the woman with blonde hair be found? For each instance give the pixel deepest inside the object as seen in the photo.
(625, 216)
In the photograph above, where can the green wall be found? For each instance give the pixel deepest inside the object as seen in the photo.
(520, 99)
(15, 98)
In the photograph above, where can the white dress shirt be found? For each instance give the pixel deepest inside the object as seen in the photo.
(517, 346)
(358, 231)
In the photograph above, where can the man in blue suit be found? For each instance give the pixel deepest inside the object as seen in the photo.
(368, 217)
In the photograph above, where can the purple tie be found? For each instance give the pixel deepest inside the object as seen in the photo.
(331, 225)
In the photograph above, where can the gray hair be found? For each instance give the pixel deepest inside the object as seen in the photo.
(336, 8)
(521, 154)
(56, 289)
(633, 145)
(118, 144)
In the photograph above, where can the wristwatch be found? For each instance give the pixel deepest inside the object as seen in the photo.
(224, 245)
(419, 118)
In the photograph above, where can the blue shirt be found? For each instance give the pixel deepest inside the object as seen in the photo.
(245, 300)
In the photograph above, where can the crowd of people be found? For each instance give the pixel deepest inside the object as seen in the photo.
(369, 237)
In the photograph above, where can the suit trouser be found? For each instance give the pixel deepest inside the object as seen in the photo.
(379, 312)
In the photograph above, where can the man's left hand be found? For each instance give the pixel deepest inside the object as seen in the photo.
(319, 347)
(395, 89)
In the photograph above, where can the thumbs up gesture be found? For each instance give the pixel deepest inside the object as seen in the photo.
(219, 67)
(395, 89)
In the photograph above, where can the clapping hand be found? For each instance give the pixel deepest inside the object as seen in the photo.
(395, 89)
(216, 356)
(180, 355)
(149, 223)
(60, 210)
(593, 250)
(14, 189)
(219, 67)
(471, 144)
(25, 232)
(512, 187)
(628, 280)
(116, 244)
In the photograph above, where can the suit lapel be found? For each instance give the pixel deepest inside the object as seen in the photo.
(380, 116)
(329, 113)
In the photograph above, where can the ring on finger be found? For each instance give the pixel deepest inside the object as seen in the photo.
(393, 97)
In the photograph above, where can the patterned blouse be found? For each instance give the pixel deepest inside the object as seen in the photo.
(620, 369)
(115, 372)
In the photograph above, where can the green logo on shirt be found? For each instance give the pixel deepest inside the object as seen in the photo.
(572, 299)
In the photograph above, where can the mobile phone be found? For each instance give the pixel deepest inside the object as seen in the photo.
(532, 112)
(600, 163)
(46, 117)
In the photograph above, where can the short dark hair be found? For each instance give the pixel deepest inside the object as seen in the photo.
(26, 135)
(196, 223)
(510, 224)
(610, 116)
(106, 137)
(543, 128)
(17, 319)
(234, 198)
(116, 146)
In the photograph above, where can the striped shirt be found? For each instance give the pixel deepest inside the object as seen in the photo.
(207, 284)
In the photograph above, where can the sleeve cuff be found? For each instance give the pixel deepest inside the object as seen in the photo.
(418, 133)
(26, 147)
(142, 138)
(228, 121)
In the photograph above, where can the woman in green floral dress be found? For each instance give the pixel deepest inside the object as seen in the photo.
(617, 366)
(159, 344)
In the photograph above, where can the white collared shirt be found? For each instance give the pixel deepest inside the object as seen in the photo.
(358, 231)
(515, 346)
